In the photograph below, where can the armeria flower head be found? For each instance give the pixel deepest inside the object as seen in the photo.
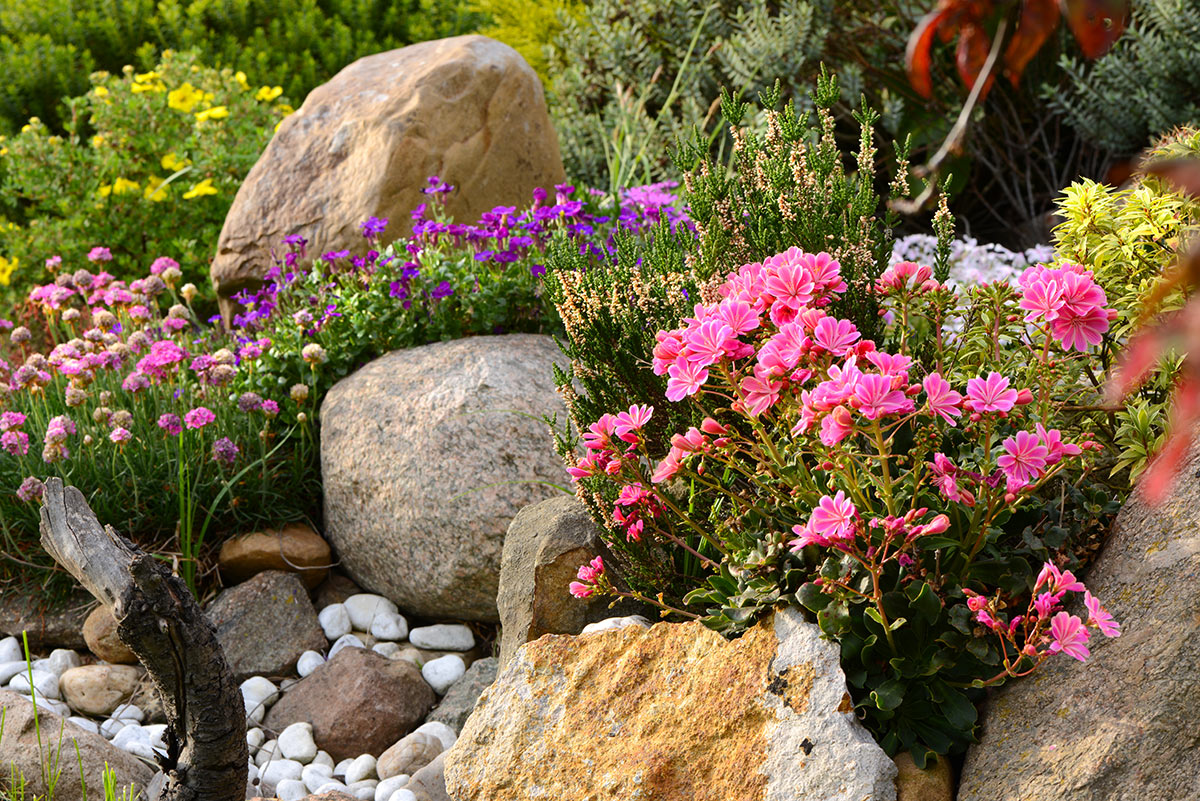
(199, 417)
(224, 451)
(1099, 617)
(940, 399)
(990, 394)
(31, 489)
(1069, 635)
(1024, 458)
(170, 423)
(99, 254)
(15, 443)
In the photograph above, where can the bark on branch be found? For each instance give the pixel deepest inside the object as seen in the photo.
(160, 621)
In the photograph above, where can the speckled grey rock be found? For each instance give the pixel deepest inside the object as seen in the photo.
(427, 454)
(1125, 724)
(58, 627)
(460, 699)
(265, 624)
(429, 783)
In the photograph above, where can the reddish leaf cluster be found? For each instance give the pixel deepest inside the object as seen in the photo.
(1096, 24)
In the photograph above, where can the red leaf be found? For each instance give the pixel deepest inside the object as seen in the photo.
(1096, 23)
(1183, 174)
(917, 57)
(973, 47)
(1038, 20)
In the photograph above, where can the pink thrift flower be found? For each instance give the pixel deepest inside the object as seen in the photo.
(1099, 617)
(120, 435)
(170, 423)
(991, 394)
(1070, 636)
(15, 442)
(1024, 457)
(684, 379)
(875, 397)
(99, 254)
(941, 400)
(199, 417)
(833, 518)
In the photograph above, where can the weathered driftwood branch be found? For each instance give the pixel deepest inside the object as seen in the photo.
(163, 625)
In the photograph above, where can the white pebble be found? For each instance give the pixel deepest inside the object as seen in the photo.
(443, 637)
(44, 682)
(315, 775)
(362, 791)
(87, 725)
(439, 730)
(11, 651)
(131, 734)
(323, 758)
(361, 768)
(157, 732)
(364, 607)
(384, 790)
(257, 694)
(287, 684)
(340, 768)
(388, 649)
(403, 795)
(291, 790)
(61, 660)
(331, 786)
(129, 712)
(110, 727)
(141, 749)
(389, 626)
(10, 669)
(442, 672)
(335, 621)
(267, 752)
(348, 641)
(616, 623)
(279, 769)
(308, 662)
(296, 742)
(52, 705)
(255, 737)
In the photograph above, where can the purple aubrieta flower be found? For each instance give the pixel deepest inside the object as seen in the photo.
(98, 254)
(537, 269)
(442, 290)
(171, 424)
(199, 417)
(372, 227)
(295, 239)
(224, 451)
(333, 255)
(31, 489)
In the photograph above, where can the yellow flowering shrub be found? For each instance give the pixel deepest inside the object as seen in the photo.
(148, 168)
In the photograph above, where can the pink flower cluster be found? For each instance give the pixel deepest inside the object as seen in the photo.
(1025, 460)
(13, 440)
(835, 523)
(589, 576)
(1069, 301)
(905, 277)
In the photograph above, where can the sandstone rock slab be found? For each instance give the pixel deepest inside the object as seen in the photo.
(294, 548)
(427, 454)
(673, 711)
(48, 628)
(265, 624)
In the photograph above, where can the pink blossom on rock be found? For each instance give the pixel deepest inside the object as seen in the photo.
(1099, 617)
(587, 578)
(1045, 604)
(1069, 635)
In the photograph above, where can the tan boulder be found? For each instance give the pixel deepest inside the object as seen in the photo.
(468, 109)
(670, 712)
(934, 783)
(99, 689)
(295, 548)
(100, 634)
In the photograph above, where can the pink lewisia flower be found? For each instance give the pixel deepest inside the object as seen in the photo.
(1045, 604)
(1041, 298)
(666, 351)
(833, 518)
(588, 576)
(668, 467)
(1058, 581)
(1070, 636)
(835, 336)
(199, 417)
(629, 423)
(875, 397)
(941, 400)
(788, 281)
(599, 434)
(1099, 617)
(1079, 331)
(1055, 447)
(684, 379)
(739, 315)
(836, 426)
(708, 342)
(825, 271)
(1024, 458)
(991, 394)
(761, 393)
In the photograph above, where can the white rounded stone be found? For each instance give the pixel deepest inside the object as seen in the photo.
(53, 705)
(278, 770)
(443, 637)
(110, 727)
(87, 725)
(347, 641)
(362, 791)
(403, 794)
(389, 626)
(255, 737)
(296, 742)
(10, 669)
(45, 683)
(157, 732)
(616, 623)
(315, 775)
(267, 752)
(441, 673)
(131, 733)
(308, 662)
(258, 693)
(384, 790)
(323, 758)
(340, 768)
(11, 651)
(129, 712)
(331, 786)
(439, 730)
(361, 768)
(335, 621)
(364, 607)
(291, 790)
(62, 659)
(388, 649)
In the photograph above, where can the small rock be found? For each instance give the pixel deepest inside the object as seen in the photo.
(46, 627)
(265, 624)
(255, 738)
(323, 758)
(44, 682)
(130, 734)
(335, 621)
(258, 693)
(279, 769)
(361, 768)
(444, 733)
(410, 754)
(87, 725)
(11, 651)
(99, 689)
(934, 783)
(296, 742)
(267, 752)
(110, 727)
(429, 783)
(385, 788)
(389, 626)
(10, 669)
(129, 712)
(364, 608)
(443, 637)
(616, 623)
(388, 649)
(295, 548)
(363, 791)
(100, 634)
(346, 641)
(61, 660)
(340, 768)
(308, 662)
(367, 640)
(441, 673)
(52, 705)
(331, 786)
(460, 699)
(291, 790)
(403, 794)
(316, 775)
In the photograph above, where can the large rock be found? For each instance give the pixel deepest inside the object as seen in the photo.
(468, 109)
(671, 712)
(100, 634)
(544, 547)
(358, 703)
(427, 454)
(265, 624)
(1123, 725)
(19, 748)
(295, 548)
(48, 627)
(460, 700)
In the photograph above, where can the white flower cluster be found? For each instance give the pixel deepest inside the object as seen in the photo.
(971, 262)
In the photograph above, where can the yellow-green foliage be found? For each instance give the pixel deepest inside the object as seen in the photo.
(528, 26)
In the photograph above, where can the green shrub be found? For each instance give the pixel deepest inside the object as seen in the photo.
(149, 166)
(528, 26)
(48, 48)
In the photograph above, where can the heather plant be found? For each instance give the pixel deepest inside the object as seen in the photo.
(882, 483)
(149, 164)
